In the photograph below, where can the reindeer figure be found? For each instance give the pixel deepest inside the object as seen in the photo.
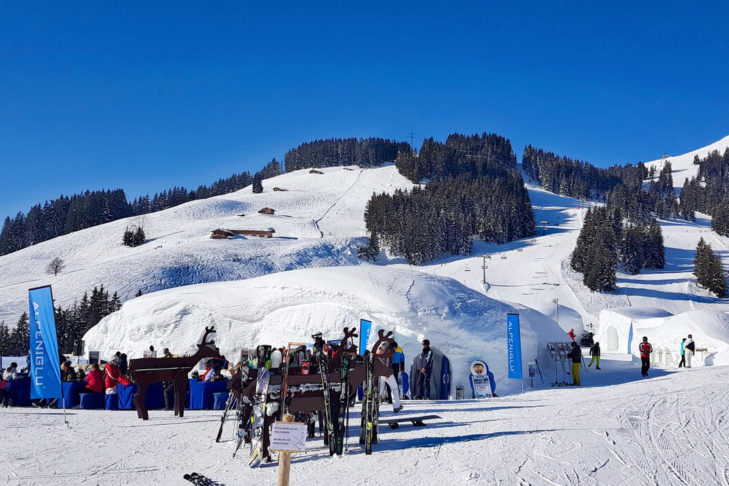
(146, 371)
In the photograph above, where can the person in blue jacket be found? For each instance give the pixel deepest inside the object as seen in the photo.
(398, 366)
(682, 363)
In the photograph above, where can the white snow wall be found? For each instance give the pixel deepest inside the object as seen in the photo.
(291, 306)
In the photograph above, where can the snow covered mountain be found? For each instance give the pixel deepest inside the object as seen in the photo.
(682, 166)
(319, 223)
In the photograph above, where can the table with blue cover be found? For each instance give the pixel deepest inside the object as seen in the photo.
(19, 390)
(71, 391)
(155, 396)
(202, 393)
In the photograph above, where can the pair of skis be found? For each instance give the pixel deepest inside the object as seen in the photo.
(323, 363)
(368, 430)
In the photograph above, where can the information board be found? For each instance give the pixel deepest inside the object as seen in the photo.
(289, 437)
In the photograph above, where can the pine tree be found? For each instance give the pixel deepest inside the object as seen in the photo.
(20, 337)
(633, 250)
(655, 253)
(257, 183)
(4, 340)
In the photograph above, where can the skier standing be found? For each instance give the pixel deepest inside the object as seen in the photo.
(576, 356)
(595, 353)
(645, 349)
(424, 363)
(690, 349)
(683, 354)
(389, 381)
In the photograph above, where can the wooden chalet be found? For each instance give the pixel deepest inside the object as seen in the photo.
(266, 211)
(314, 171)
(221, 234)
(279, 189)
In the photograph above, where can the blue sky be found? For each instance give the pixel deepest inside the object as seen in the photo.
(149, 95)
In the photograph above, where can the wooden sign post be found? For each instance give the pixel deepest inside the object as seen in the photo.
(287, 437)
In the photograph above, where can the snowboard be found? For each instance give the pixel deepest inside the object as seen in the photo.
(258, 418)
(417, 420)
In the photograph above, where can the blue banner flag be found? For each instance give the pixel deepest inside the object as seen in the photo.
(45, 371)
(513, 345)
(364, 334)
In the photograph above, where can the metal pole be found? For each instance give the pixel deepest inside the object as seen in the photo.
(63, 397)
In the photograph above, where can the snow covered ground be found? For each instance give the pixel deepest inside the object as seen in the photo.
(671, 428)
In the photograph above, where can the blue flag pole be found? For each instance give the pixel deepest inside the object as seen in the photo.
(365, 327)
(45, 370)
(513, 345)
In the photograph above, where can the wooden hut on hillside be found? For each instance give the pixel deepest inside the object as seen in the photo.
(221, 234)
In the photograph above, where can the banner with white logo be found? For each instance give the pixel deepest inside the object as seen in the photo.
(365, 327)
(513, 345)
(45, 371)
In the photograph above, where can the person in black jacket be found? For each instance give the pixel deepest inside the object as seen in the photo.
(424, 364)
(689, 350)
(576, 356)
(595, 353)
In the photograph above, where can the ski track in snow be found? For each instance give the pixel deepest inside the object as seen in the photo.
(668, 430)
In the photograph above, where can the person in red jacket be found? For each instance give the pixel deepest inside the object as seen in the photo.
(112, 374)
(645, 349)
(95, 380)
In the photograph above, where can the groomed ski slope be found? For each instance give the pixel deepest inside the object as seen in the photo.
(669, 429)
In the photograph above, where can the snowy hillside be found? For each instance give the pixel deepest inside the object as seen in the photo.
(291, 306)
(682, 166)
(318, 222)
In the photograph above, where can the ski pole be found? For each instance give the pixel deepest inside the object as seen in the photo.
(539, 370)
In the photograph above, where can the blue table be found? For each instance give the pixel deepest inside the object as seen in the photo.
(20, 391)
(112, 401)
(201, 393)
(220, 400)
(125, 395)
(92, 400)
(71, 390)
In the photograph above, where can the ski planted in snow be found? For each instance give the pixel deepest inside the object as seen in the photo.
(369, 402)
(323, 372)
(258, 418)
(343, 399)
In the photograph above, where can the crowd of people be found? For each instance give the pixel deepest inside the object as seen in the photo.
(101, 378)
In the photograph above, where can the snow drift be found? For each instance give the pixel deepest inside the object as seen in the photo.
(291, 306)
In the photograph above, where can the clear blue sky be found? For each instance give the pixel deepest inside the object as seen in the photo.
(148, 95)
